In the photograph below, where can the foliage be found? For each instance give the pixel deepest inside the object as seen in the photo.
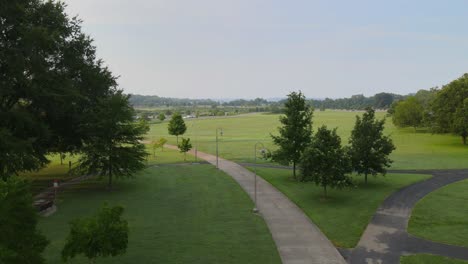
(296, 131)
(447, 108)
(176, 126)
(161, 117)
(408, 113)
(102, 235)
(114, 147)
(333, 215)
(325, 161)
(173, 213)
(358, 102)
(185, 146)
(158, 144)
(49, 77)
(460, 124)
(369, 148)
(20, 241)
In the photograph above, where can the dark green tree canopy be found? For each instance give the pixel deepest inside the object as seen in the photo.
(408, 113)
(176, 126)
(296, 130)
(325, 162)
(114, 146)
(20, 241)
(447, 108)
(102, 235)
(49, 76)
(369, 147)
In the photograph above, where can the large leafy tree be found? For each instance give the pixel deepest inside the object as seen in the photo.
(176, 126)
(20, 241)
(369, 147)
(408, 113)
(113, 147)
(325, 161)
(102, 235)
(447, 108)
(49, 76)
(296, 131)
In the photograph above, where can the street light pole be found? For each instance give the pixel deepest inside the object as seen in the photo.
(255, 210)
(217, 153)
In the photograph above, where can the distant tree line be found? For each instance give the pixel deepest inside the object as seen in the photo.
(355, 102)
(358, 102)
(439, 110)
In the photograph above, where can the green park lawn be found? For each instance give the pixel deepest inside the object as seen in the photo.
(441, 216)
(429, 259)
(414, 149)
(344, 215)
(55, 170)
(176, 214)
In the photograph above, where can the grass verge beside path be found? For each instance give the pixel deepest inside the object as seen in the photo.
(441, 216)
(346, 213)
(429, 259)
(176, 214)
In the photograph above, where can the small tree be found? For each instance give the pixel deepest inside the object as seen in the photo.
(296, 132)
(162, 117)
(369, 148)
(102, 235)
(176, 126)
(185, 146)
(158, 144)
(325, 161)
(20, 241)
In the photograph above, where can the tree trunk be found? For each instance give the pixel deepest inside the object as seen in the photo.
(365, 178)
(177, 139)
(325, 190)
(61, 159)
(464, 140)
(185, 156)
(110, 174)
(294, 170)
(109, 185)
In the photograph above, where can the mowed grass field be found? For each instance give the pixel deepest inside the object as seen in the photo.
(442, 215)
(429, 259)
(344, 215)
(414, 149)
(176, 214)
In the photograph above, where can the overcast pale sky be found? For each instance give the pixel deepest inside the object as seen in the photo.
(260, 48)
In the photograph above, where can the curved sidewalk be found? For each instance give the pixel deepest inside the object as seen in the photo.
(386, 239)
(299, 241)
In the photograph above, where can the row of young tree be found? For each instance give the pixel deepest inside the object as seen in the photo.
(56, 97)
(443, 110)
(320, 156)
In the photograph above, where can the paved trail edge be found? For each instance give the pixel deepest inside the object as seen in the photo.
(299, 241)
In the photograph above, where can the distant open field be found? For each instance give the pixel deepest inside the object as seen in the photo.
(415, 150)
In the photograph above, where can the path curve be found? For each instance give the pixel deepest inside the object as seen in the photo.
(386, 239)
(299, 241)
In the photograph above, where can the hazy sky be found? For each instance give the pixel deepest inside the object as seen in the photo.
(259, 48)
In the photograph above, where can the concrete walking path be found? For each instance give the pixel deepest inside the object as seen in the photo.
(386, 239)
(299, 241)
